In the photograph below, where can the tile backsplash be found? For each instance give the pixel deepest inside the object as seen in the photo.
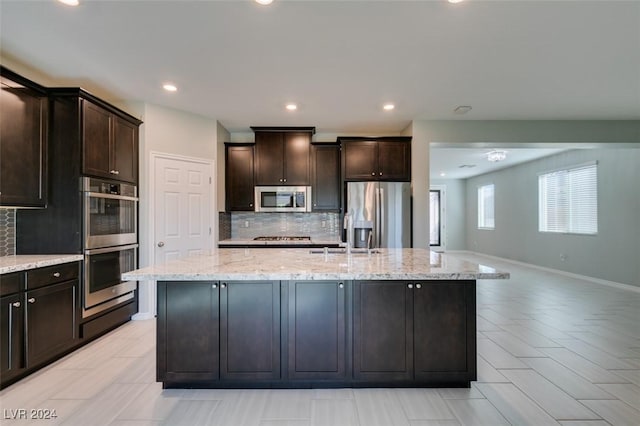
(7, 232)
(318, 226)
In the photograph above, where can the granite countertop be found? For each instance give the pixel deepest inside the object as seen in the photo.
(300, 264)
(249, 241)
(23, 262)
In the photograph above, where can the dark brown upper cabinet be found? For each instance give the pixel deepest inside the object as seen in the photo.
(325, 177)
(282, 155)
(110, 144)
(23, 141)
(239, 195)
(383, 158)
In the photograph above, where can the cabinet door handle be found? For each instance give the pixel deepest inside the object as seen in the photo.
(16, 304)
(380, 174)
(410, 285)
(223, 285)
(373, 173)
(250, 204)
(341, 285)
(284, 180)
(31, 300)
(214, 286)
(418, 285)
(114, 172)
(56, 274)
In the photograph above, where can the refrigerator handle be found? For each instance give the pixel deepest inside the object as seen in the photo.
(381, 204)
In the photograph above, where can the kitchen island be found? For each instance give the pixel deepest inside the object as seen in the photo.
(289, 318)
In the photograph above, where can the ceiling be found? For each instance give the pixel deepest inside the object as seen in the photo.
(239, 63)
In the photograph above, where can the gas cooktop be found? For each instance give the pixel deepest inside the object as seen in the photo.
(282, 238)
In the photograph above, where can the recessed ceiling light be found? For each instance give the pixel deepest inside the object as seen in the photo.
(462, 109)
(291, 107)
(455, 1)
(70, 2)
(496, 155)
(442, 174)
(264, 2)
(170, 87)
(388, 107)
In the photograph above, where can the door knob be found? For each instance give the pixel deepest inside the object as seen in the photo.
(161, 244)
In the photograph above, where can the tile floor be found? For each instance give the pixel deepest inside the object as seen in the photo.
(551, 350)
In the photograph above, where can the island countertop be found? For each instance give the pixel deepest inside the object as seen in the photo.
(301, 264)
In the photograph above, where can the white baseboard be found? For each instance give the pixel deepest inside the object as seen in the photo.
(142, 316)
(600, 281)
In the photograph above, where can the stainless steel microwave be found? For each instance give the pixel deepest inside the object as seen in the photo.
(282, 198)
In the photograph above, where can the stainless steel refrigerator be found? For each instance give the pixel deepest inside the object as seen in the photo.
(382, 209)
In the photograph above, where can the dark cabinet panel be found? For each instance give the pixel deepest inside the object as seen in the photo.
(269, 158)
(442, 323)
(51, 321)
(188, 331)
(12, 361)
(250, 330)
(282, 158)
(96, 133)
(296, 158)
(325, 177)
(360, 160)
(110, 144)
(317, 330)
(125, 150)
(382, 331)
(384, 158)
(394, 160)
(23, 146)
(239, 177)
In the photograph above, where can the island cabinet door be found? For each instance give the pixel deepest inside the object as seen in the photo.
(383, 331)
(250, 330)
(188, 331)
(444, 331)
(316, 330)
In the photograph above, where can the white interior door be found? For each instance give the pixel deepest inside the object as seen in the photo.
(182, 208)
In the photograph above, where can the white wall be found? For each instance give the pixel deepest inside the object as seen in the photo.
(613, 254)
(175, 132)
(513, 131)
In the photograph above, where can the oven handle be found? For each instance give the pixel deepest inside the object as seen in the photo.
(110, 196)
(110, 249)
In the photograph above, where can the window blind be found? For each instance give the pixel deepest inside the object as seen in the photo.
(568, 200)
(486, 217)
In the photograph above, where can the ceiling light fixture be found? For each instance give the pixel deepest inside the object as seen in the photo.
(455, 1)
(462, 109)
(170, 87)
(496, 155)
(388, 107)
(442, 174)
(264, 2)
(291, 107)
(70, 2)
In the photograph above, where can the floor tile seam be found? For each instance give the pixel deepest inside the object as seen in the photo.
(481, 399)
(561, 390)
(617, 399)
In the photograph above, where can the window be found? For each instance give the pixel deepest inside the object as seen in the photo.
(434, 218)
(568, 200)
(486, 217)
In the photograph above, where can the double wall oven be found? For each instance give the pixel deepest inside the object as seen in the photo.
(110, 243)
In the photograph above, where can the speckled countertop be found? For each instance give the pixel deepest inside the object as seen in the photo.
(23, 262)
(300, 264)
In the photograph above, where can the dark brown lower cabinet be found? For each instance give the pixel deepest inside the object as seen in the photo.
(316, 333)
(316, 330)
(414, 331)
(250, 330)
(188, 331)
(51, 321)
(12, 361)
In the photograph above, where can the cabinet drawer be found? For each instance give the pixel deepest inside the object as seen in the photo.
(51, 275)
(11, 283)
